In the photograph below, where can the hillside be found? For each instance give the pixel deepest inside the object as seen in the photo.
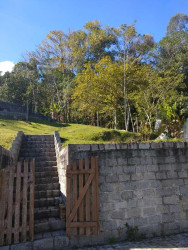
(69, 133)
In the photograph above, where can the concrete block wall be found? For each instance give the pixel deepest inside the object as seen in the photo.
(142, 184)
(8, 157)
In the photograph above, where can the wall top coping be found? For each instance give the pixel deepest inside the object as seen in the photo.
(122, 146)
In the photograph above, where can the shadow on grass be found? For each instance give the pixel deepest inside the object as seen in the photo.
(50, 123)
(63, 140)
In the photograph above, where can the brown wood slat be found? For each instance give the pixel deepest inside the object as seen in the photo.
(32, 193)
(75, 192)
(81, 208)
(84, 224)
(3, 202)
(74, 211)
(88, 231)
(89, 171)
(94, 187)
(10, 205)
(24, 203)
(68, 202)
(17, 203)
(97, 193)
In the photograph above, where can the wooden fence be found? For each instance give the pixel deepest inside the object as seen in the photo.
(82, 216)
(17, 203)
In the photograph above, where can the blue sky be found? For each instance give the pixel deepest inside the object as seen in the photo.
(25, 23)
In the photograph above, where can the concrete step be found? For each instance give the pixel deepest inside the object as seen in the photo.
(37, 145)
(47, 194)
(48, 186)
(46, 180)
(36, 154)
(46, 202)
(36, 151)
(45, 174)
(45, 164)
(46, 212)
(40, 158)
(38, 137)
(48, 225)
(46, 169)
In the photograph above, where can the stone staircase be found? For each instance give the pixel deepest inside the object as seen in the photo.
(47, 188)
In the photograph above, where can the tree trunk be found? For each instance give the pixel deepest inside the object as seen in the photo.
(115, 119)
(97, 119)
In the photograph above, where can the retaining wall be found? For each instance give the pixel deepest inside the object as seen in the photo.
(144, 185)
(8, 157)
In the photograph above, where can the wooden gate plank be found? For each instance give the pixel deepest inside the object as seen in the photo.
(17, 203)
(75, 194)
(87, 198)
(3, 202)
(10, 205)
(74, 211)
(94, 187)
(81, 208)
(97, 193)
(68, 202)
(24, 202)
(32, 193)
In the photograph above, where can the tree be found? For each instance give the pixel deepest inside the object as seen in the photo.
(177, 23)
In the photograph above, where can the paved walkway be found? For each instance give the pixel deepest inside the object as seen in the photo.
(179, 241)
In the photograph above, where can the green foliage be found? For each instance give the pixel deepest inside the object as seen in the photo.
(111, 77)
(112, 240)
(133, 233)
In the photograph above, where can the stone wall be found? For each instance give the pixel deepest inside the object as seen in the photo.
(144, 185)
(62, 161)
(11, 156)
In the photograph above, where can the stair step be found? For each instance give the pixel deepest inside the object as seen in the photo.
(46, 202)
(46, 169)
(40, 158)
(37, 145)
(55, 193)
(46, 180)
(32, 151)
(44, 174)
(38, 137)
(45, 164)
(38, 154)
(48, 186)
(46, 212)
(52, 224)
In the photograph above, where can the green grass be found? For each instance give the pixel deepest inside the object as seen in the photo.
(69, 133)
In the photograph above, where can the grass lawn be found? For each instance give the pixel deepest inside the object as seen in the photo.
(69, 133)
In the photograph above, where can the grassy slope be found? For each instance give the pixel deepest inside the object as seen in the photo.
(69, 133)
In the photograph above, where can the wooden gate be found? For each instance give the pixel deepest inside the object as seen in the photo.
(17, 203)
(82, 209)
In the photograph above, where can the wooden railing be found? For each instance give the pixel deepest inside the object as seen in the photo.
(82, 209)
(17, 203)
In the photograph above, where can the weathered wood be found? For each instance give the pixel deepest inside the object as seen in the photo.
(81, 208)
(75, 194)
(10, 205)
(32, 193)
(74, 211)
(68, 202)
(88, 231)
(24, 202)
(72, 172)
(83, 224)
(3, 203)
(97, 193)
(78, 217)
(17, 203)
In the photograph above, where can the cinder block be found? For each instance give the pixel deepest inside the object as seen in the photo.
(148, 211)
(171, 200)
(60, 242)
(112, 178)
(119, 214)
(126, 195)
(144, 145)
